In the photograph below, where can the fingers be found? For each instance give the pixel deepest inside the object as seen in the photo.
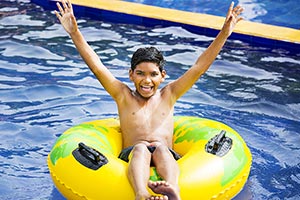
(64, 4)
(66, 7)
(239, 19)
(57, 14)
(61, 10)
(237, 10)
(234, 10)
(233, 13)
(230, 9)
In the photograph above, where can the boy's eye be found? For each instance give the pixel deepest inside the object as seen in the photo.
(154, 74)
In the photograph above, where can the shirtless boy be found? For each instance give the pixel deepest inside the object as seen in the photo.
(146, 113)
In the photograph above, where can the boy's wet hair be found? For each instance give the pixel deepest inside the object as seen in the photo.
(148, 54)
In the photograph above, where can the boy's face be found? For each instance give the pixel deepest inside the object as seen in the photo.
(147, 78)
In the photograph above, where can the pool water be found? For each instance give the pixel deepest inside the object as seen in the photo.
(45, 88)
(280, 13)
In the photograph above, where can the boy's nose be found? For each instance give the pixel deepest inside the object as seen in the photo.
(148, 79)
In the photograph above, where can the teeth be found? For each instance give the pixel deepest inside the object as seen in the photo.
(147, 88)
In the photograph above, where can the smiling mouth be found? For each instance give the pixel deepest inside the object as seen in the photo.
(146, 88)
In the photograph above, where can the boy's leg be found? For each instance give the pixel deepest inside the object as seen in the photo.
(139, 170)
(168, 169)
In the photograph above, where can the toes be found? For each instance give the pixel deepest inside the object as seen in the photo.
(158, 198)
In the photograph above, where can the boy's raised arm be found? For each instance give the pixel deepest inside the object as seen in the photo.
(68, 21)
(186, 81)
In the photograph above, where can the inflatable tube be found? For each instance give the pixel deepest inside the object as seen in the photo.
(215, 161)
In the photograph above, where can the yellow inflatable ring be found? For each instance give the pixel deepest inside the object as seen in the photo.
(215, 161)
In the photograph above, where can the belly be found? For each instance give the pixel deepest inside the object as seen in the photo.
(155, 138)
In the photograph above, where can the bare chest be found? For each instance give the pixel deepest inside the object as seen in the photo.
(147, 115)
(146, 122)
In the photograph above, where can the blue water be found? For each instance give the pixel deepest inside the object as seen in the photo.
(280, 12)
(45, 88)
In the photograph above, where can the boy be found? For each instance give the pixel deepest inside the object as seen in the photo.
(146, 113)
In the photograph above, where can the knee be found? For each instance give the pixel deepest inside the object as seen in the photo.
(140, 149)
(161, 150)
(162, 154)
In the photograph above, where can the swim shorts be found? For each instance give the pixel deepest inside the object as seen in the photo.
(125, 153)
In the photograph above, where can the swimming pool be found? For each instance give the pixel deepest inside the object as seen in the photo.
(46, 88)
(280, 13)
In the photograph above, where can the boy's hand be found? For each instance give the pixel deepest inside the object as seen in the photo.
(232, 18)
(66, 16)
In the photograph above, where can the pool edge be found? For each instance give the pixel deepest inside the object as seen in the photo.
(136, 13)
(196, 19)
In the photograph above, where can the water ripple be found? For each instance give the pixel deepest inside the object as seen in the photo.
(12, 49)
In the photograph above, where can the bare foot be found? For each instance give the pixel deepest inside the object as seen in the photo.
(142, 196)
(147, 196)
(157, 198)
(164, 188)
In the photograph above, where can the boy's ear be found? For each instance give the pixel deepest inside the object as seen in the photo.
(130, 74)
(163, 74)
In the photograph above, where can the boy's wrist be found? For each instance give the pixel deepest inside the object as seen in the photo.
(74, 33)
(223, 34)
